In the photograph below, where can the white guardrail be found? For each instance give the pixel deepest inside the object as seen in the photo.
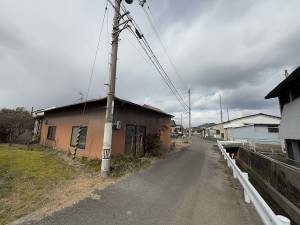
(250, 194)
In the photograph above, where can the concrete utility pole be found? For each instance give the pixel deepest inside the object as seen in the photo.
(228, 118)
(190, 114)
(107, 137)
(181, 122)
(221, 110)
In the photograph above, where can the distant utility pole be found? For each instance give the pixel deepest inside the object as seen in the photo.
(228, 114)
(181, 123)
(221, 109)
(190, 114)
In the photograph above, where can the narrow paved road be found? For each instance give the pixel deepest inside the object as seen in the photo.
(190, 187)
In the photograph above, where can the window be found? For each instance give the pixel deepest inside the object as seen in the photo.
(81, 138)
(273, 130)
(51, 133)
(217, 131)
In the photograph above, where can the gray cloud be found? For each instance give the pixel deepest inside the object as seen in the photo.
(238, 49)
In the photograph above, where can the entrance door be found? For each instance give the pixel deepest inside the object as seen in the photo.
(135, 140)
(140, 140)
(130, 140)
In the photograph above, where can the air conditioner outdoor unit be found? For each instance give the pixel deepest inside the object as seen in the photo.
(118, 125)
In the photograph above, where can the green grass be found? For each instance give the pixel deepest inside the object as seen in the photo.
(25, 178)
(120, 165)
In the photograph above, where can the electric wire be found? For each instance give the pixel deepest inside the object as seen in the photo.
(159, 71)
(152, 57)
(95, 58)
(151, 21)
(155, 60)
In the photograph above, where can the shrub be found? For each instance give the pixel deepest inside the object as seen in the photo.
(153, 145)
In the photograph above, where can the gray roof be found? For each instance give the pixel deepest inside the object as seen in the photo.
(122, 101)
(263, 114)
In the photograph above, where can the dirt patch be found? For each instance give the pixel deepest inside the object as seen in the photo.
(180, 144)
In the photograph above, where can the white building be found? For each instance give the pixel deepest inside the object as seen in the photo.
(216, 131)
(288, 92)
(259, 128)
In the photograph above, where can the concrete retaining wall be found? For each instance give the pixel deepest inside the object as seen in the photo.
(280, 181)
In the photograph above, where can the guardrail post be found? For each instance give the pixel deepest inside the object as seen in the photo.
(246, 196)
(284, 220)
(233, 170)
(228, 163)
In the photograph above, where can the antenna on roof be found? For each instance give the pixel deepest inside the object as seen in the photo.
(286, 73)
(81, 98)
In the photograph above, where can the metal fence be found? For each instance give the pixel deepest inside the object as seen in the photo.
(250, 194)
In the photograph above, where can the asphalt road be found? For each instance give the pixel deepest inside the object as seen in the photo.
(190, 187)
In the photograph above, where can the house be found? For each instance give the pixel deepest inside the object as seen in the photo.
(259, 128)
(288, 92)
(176, 128)
(215, 131)
(135, 128)
(202, 129)
(196, 130)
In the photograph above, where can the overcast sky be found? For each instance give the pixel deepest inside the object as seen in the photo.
(238, 49)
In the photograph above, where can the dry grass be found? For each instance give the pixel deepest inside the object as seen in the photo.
(120, 165)
(180, 144)
(48, 180)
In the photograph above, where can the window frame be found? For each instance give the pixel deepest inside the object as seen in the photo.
(271, 130)
(51, 133)
(79, 145)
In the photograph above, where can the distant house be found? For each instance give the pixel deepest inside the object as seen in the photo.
(288, 92)
(135, 126)
(196, 130)
(176, 128)
(259, 128)
(202, 129)
(216, 131)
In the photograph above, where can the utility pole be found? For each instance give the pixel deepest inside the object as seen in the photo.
(107, 137)
(181, 128)
(221, 109)
(190, 114)
(228, 114)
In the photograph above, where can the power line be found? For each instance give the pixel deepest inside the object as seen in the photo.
(160, 72)
(148, 50)
(150, 54)
(151, 20)
(95, 57)
(145, 51)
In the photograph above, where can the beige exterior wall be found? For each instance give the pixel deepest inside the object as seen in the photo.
(64, 121)
(212, 131)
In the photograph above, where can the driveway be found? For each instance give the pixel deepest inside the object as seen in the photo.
(190, 187)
